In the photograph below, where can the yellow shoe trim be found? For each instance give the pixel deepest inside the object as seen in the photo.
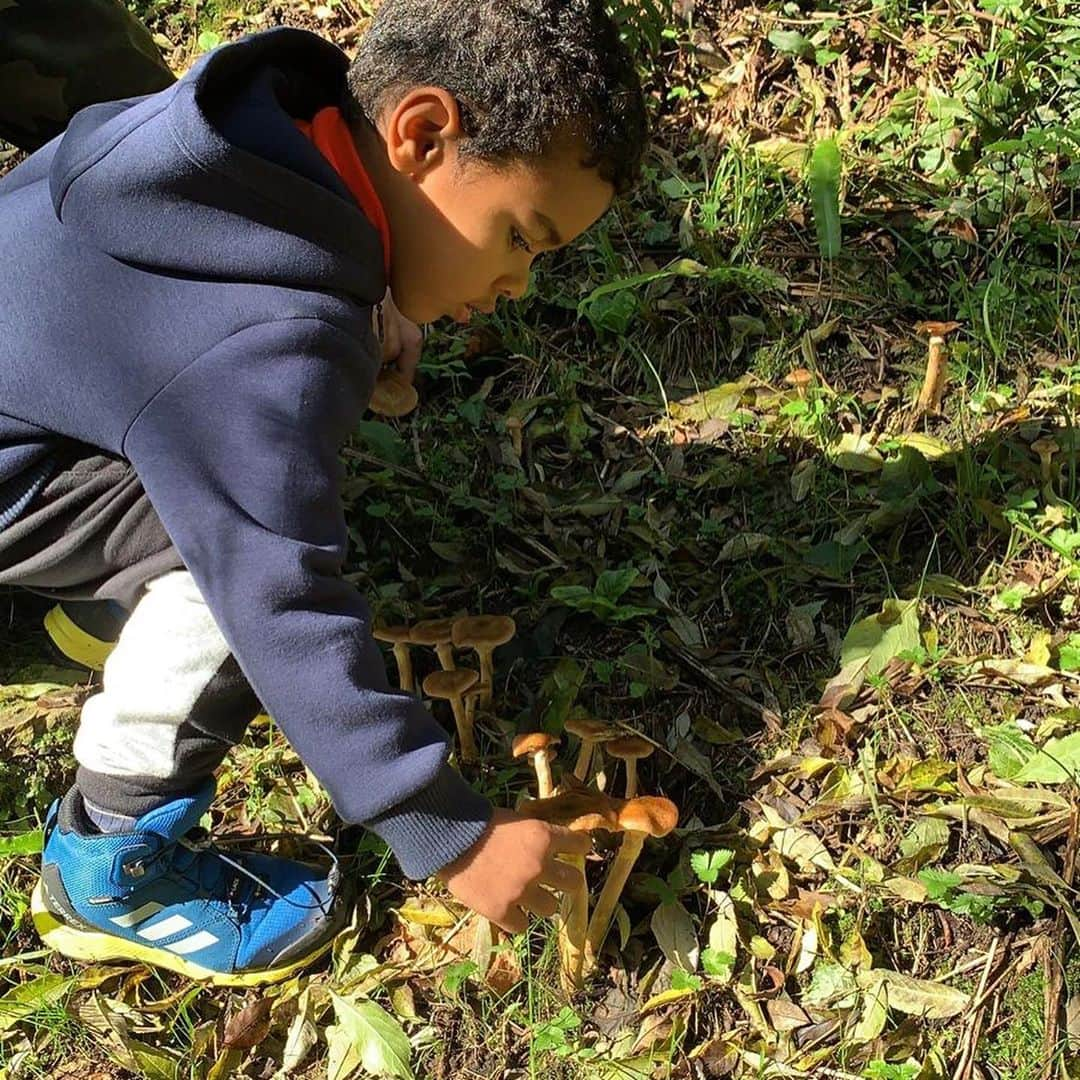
(90, 946)
(74, 642)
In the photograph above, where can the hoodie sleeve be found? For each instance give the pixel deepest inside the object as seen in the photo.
(238, 454)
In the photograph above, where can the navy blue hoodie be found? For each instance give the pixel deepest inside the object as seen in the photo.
(188, 283)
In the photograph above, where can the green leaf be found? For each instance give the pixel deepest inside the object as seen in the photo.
(382, 440)
(611, 584)
(28, 843)
(824, 177)
(674, 932)
(1069, 654)
(27, 998)
(377, 1039)
(792, 42)
(1056, 762)
(916, 997)
(208, 40)
(707, 865)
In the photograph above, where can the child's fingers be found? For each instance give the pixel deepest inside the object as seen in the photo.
(559, 875)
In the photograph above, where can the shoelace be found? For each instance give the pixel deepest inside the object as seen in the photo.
(210, 846)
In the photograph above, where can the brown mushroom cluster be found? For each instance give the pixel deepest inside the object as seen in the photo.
(576, 806)
(464, 688)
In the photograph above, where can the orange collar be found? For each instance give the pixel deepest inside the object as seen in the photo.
(331, 135)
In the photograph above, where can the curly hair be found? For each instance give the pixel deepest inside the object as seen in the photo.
(524, 73)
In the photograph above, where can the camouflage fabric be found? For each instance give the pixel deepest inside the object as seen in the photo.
(58, 55)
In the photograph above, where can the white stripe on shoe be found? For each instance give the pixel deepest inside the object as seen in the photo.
(193, 943)
(138, 915)
(172, 925)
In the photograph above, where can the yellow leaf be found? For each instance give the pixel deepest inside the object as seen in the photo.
(665, 997)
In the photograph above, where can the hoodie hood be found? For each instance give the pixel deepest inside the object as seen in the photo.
(211, 178)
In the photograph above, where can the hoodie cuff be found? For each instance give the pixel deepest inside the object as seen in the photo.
(432, 828)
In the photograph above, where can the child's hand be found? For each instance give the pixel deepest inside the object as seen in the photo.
(501, 875)
(402, 340)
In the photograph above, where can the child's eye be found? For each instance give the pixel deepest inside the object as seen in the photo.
(519, 241)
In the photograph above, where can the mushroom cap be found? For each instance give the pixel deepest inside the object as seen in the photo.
(450, 684)
(578, 810)
(432, 632)
(393, 634)
(629, 747)
(800, 376)
(649, 814)
(532, 742)
(1045, 445)
(935, 329)
(491, 630)
(593, 730)
(393, 396)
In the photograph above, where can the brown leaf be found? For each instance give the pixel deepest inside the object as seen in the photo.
(249, 1026)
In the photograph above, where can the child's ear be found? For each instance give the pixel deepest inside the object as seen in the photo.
(421, 128)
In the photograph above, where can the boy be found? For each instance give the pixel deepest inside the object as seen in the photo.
(186, 343)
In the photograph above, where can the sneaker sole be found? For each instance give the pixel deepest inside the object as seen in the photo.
(92, 947)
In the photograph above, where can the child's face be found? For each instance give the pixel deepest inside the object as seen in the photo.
(465, 233)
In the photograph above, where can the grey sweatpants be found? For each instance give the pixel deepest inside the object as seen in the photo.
(174, 698)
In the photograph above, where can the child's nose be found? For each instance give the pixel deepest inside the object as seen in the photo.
(515, 287)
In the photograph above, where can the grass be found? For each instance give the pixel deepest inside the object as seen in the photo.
(756, 547)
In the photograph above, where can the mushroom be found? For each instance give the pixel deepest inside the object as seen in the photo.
(398, 636)
(436, 633)
(582, 812)
(934, 382)
(1046, 448)
(540, 746)
(647, 816)
(484, 633)
(515, 427)
(393, 396)
(449, 686)
(590, 732)
(631, 749)
(801, 378)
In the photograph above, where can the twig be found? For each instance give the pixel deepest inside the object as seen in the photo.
(769, 718)
(1054, 958)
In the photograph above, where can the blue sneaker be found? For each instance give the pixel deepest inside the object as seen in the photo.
(163, 894)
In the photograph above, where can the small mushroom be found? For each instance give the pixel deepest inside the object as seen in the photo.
(393, 396)
(515, 427)
(581, 812)
(484, 633)
(934, 381)
(398, 636)
(639, 818)
(590, 732)
(631, 749)
(540, 746)
(1046, 448)
(450, 686)
(437, 634)
(801, 378)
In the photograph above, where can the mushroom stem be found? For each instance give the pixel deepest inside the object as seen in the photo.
(584, 759)
(934, 381)
(631, 778)
(446, 656)
(573, 926)
(464, 721)
(542, 764)
(404, 663)
(487, 673)
(627, 855)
